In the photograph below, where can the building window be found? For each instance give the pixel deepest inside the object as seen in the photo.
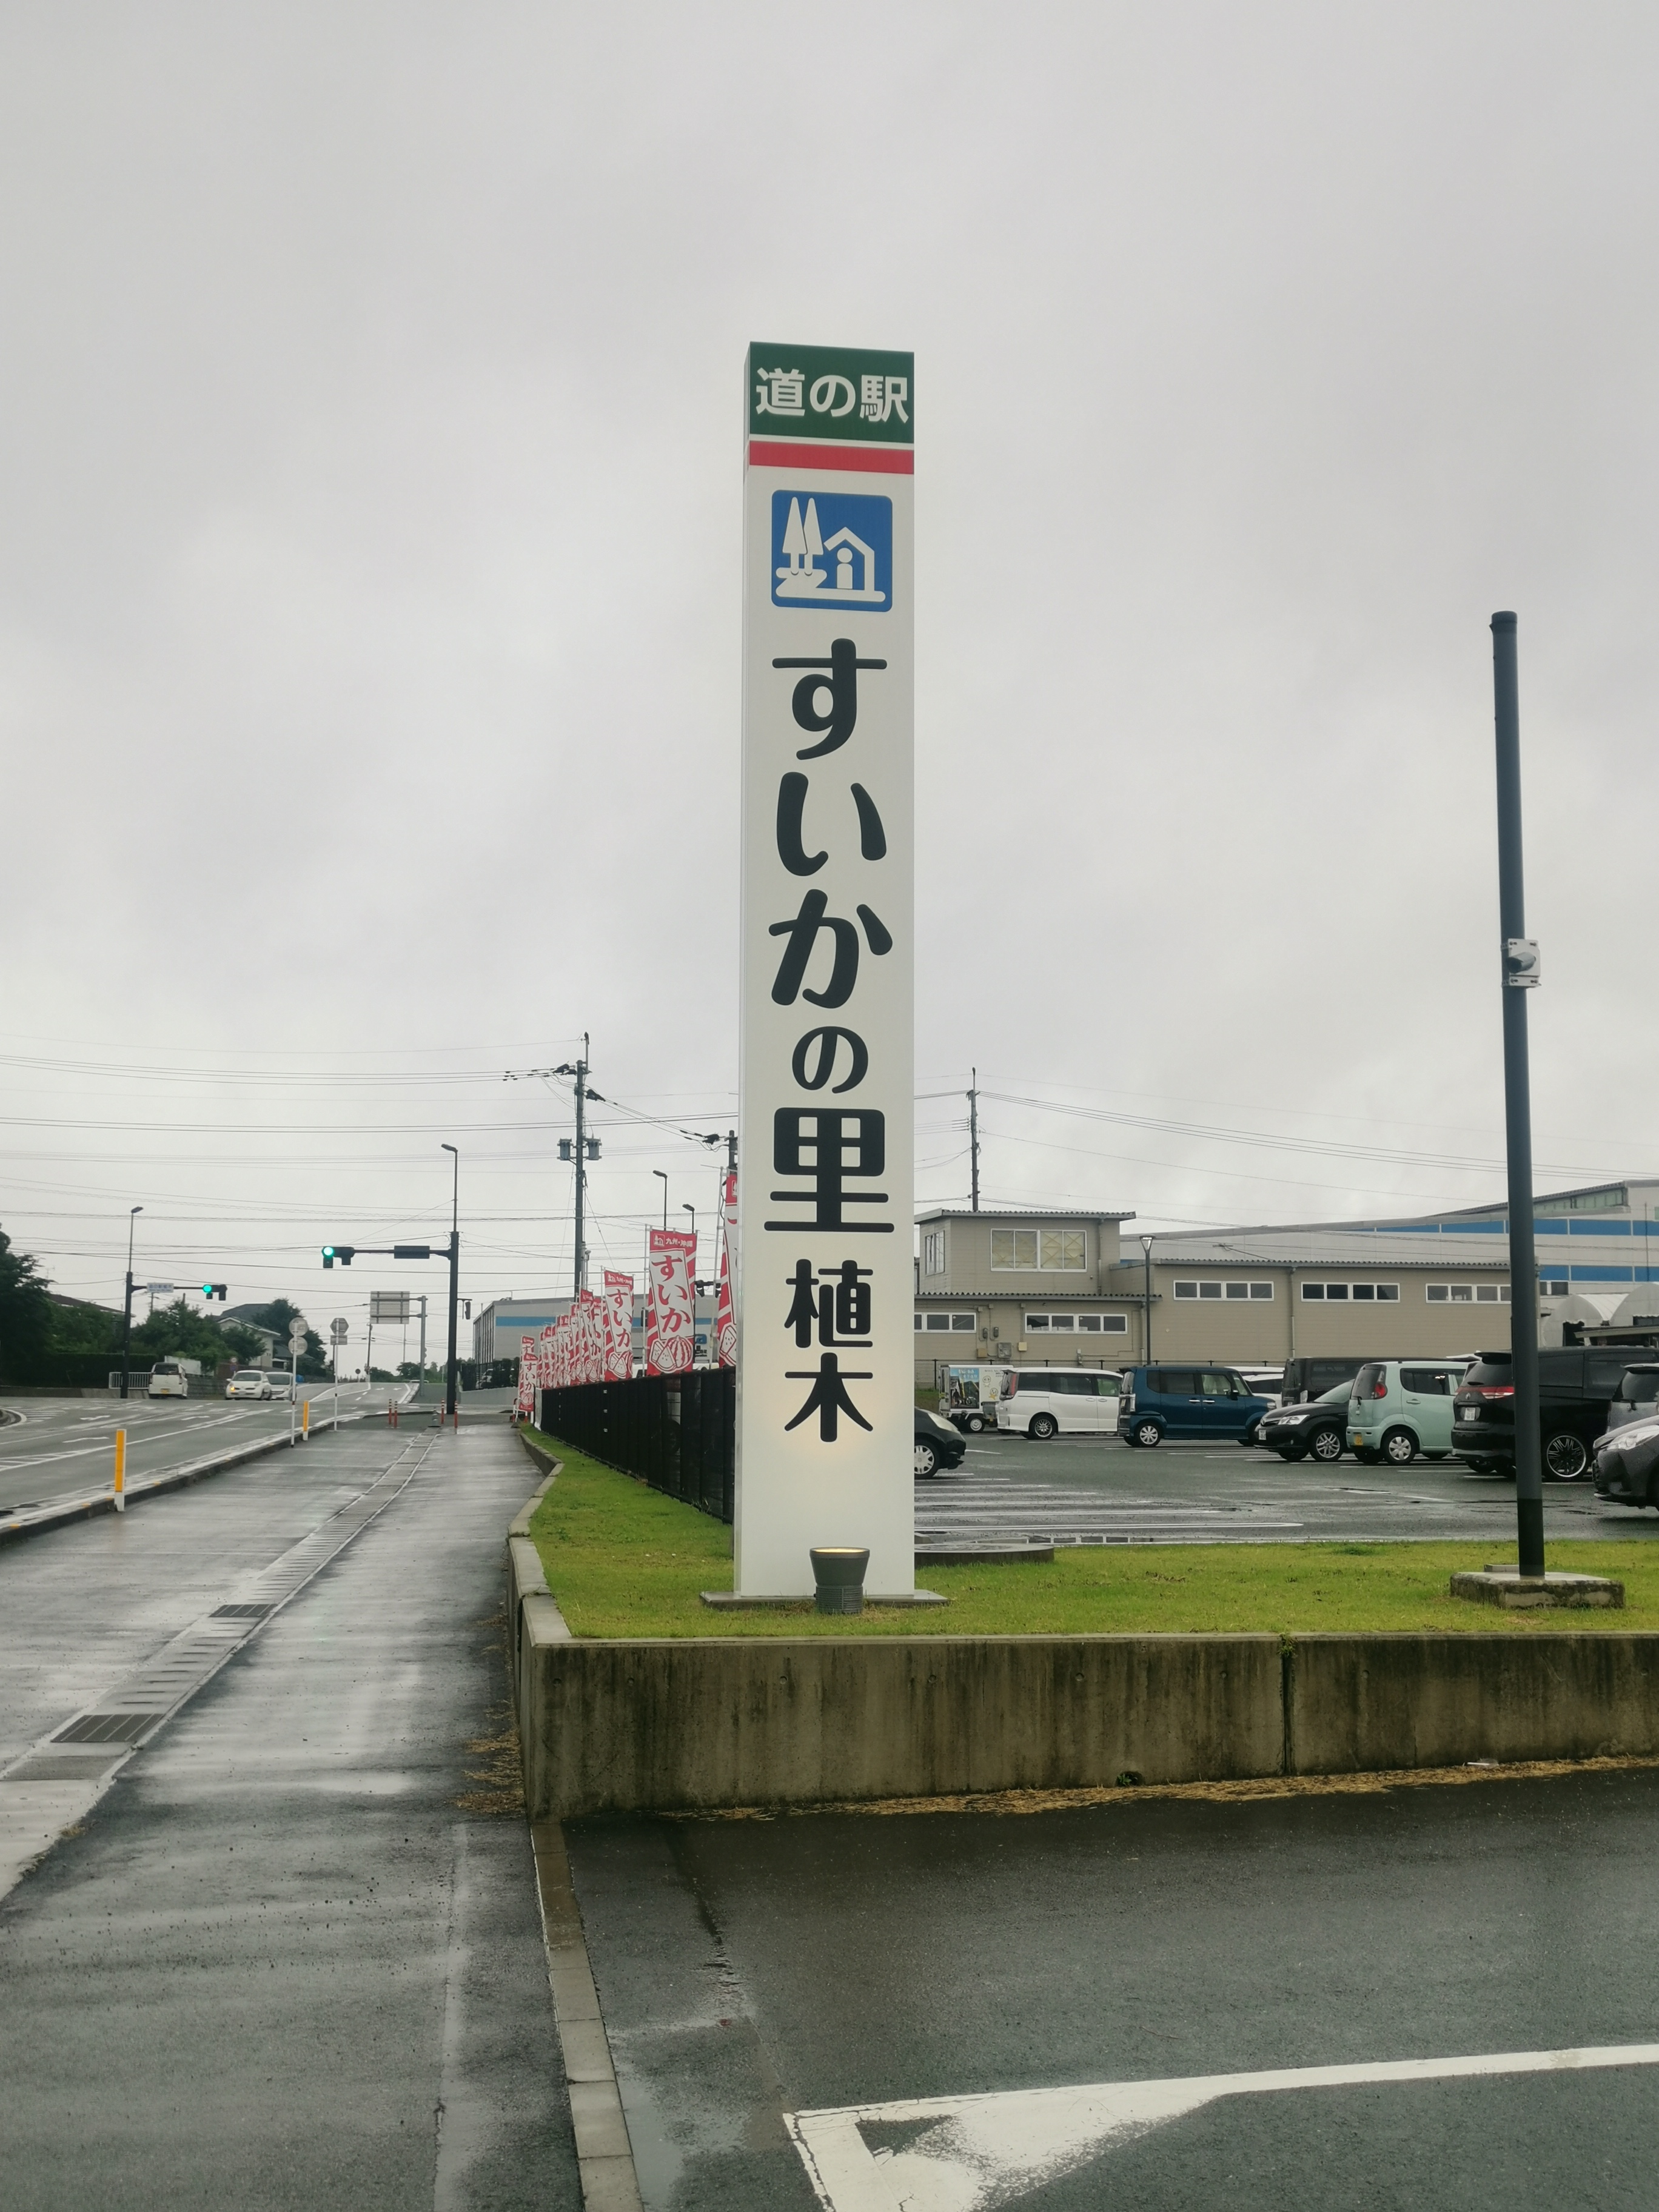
(1614, 1199)
(1014, 1250)
(968, 1322)
(1378, 1294)
(1469, 1294)
(918, 1324)
(1064, 1324)
(1554, 1286)
(1262, 1292)
(933, 1253)
(1030, 1251)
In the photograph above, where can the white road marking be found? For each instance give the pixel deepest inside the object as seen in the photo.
(983, 2152)
(145, 1435)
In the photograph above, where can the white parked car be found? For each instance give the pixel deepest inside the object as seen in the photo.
(168, 1379)
(1047, 1402)
(248, 1383)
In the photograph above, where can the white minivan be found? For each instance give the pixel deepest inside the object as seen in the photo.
(168, 1379)
(1047, 1401)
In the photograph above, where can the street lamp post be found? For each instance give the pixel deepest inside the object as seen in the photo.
(1146, 1323)
(1519, 971)
(126, 1318)
(454, 1278)
(662, 1178)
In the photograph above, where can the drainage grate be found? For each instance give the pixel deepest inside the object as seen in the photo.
(108, 1728)
(238, 1612)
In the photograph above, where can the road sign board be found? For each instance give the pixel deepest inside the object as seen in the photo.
(296, 1335)
(337, 1329)
(826, 1449)
(388, 1305)
(158, 1289)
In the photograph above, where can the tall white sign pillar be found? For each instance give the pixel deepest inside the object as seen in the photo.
(825, 1367)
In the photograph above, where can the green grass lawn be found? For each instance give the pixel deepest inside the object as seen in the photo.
(623, 1561)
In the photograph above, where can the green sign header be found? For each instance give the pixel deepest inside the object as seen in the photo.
(831, 392)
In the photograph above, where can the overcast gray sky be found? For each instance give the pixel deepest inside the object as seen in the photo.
(370, 625)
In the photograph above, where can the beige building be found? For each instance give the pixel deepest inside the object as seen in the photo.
(1060, 1288)
(1067, 1289)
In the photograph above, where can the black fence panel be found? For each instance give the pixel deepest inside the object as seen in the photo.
(677, 1432)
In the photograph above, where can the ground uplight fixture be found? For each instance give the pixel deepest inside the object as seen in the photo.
(838, 1572)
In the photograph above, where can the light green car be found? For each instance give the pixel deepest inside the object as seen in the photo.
(1399, 1407)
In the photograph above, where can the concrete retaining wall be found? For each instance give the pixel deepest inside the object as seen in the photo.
(1372, 1704)
(676, 1726)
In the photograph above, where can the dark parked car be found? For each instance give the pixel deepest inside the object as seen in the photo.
(1320, 1427)
(1211, 1404)
(1627, 1464)
(1575, 1387)
(1306, 1379)
(937, 1444)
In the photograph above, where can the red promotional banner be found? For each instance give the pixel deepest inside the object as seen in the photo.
(589, 1317)
(618, 1327)
(670, 1314)
(726, 1318)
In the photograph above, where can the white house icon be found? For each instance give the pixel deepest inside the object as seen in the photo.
(805, 546)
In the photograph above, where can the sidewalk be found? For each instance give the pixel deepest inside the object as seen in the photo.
(292, 1959)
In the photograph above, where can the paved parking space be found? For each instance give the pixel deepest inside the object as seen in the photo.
(1096, 1490)
(830, 1982)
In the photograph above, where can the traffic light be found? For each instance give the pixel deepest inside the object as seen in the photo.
(344, 1253)
(211, 1291)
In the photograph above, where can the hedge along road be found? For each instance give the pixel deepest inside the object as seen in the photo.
(951, 2012)
(293, 1955)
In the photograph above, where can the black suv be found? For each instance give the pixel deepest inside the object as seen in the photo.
(1576, 1386)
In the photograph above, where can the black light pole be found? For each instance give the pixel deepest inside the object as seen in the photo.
(1146, 1330)
(126, 1318)
(1519, 967)
(660, 1172)
(454, 1279)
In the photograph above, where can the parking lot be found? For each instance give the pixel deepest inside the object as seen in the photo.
(1097, 1490)
(1075, 2009)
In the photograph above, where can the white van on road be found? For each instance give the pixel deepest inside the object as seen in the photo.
(1047, 1401)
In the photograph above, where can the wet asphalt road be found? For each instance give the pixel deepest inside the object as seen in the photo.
(66, 1446)
(1097, 1490)
(282, 1966)
(750, 1969)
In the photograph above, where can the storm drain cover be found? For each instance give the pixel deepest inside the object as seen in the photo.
(108, 1728)
(239, 1611)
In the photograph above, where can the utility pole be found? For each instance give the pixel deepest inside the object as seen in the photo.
(972, 1135)
(423, 1382)
(455, 1278)
(581, 1284)
(731, 1152)
(1519, 967)
(126, 1319)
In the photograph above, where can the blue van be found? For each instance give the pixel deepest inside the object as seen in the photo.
(1199, 1404)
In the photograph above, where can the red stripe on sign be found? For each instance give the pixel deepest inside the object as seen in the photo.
(888, 461)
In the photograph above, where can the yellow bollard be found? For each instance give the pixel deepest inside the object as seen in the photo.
(305, 1420)
(120, 1470)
